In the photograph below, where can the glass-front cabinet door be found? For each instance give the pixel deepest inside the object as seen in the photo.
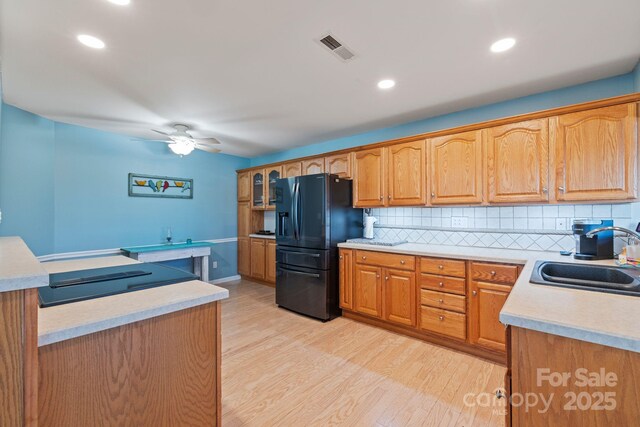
(257, 189)
(272, 175)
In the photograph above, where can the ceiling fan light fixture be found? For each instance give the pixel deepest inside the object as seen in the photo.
(182, 148)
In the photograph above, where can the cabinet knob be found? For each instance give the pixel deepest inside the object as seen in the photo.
(441, 317)
(340, 256)
(381, 198)
(441, 267)
(402, 261)
(545, 190)
(561, 189)
(377, 276)
(389, 197)
(441, 284)
(493, 273)
(386, 277)
(440, 300)
(364, 257)
(474, 293)
(500, 394)
(433, 195)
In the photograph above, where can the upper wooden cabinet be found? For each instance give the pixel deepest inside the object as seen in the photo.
(596, 153)
(257, 189)
(244, 186)
(313, 166)
(271, 174)
(456, 168)
(369, 186)
(291, 169)
(407, 176)
(339, 164)
(518, 162)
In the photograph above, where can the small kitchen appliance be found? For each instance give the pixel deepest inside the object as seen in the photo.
(599, 246)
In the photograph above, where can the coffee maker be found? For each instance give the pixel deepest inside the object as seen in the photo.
(598, 246)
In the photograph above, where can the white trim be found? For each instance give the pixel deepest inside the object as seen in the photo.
(113, 251)
(225, 279)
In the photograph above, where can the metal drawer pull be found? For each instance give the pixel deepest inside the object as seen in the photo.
(301, 253)
(402, 261)
(377, 276)
(441, 317)
(301, 273)
(340, 256)
(440, 300)
(441, 284)
(561, 189)
(441, 266)
(474, 293)
(493, 273)
(386, 277)
(500, 394)
(364, 257)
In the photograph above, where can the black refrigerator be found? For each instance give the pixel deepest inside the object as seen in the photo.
(313, 215)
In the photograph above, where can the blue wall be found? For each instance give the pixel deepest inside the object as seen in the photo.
(63, 188)
(614, 86)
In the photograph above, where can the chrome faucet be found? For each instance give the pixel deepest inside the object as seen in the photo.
(614, 228)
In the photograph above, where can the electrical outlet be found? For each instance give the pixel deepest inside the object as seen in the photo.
(561, 223)
(459, 222)
(215, 264)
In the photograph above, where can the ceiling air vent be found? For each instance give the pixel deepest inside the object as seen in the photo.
(337, 48)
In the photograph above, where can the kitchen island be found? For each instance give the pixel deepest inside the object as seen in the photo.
(149, 357)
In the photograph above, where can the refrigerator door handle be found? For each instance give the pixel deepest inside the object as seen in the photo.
(301, 273)
(301, 253)
(296, 210)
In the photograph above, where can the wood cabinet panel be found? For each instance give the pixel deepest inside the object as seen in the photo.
(270, 261)
(531, 351)
(244, 256)
(485, 302)
(369, 186)
(596, 154)
(456, 168)
(443, 266)
(443, 283)
(497, 273)
(244, 186)
(291, 169)
(160, 371)
(271, 175)
(313, 166)
(258, 258)
(407, 176)
(244, 219)
(339, 164)
(443, 300)
(400, 296)
(518, 162)
(346, 278)
(443, 322)
(258, 189)
(385, 259)
(368, 290)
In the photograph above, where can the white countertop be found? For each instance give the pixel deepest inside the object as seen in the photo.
(263, 236)
(19, 268)
(607, 319)
(68, 321)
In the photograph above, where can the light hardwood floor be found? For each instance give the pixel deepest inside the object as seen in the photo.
(283, 369)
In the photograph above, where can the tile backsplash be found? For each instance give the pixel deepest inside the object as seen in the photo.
(533, 227)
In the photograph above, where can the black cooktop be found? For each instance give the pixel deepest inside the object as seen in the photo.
(81, 285)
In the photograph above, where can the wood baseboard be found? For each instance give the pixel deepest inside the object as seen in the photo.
(450, 343)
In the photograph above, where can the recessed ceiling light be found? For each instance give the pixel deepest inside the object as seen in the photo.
(90, 41)
(120, 2)
(503, 45)
(386, 84)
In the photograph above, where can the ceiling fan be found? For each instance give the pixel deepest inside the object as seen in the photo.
(182, 143)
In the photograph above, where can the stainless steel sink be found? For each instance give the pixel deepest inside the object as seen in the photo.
(613, 280)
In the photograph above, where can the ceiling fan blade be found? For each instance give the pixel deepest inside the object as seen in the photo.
(207, 148)
(210, 141)
(160, 132)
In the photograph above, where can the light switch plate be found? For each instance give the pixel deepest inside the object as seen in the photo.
(459, 222)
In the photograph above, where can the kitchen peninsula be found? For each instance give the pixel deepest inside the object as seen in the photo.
(143, 358)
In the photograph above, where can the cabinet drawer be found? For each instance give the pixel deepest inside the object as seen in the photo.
(443, 300)
(446, 267)
(498, 273)
(443, 322)
(385, 259)
(443, 284)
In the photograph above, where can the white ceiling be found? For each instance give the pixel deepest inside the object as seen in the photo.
(252, 74)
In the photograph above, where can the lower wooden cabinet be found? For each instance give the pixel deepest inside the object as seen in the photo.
(258, 258)
(346, 279)
(459, 307)
(270, 260)
(399, 295)
(368, 290)
(485, 303)
(244, 256)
